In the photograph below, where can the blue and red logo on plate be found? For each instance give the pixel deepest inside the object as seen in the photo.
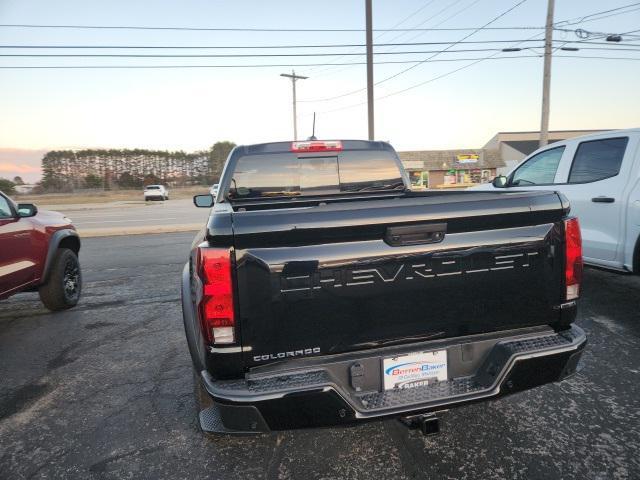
(413, 368)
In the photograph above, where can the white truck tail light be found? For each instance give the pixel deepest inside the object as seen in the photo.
(573, 258)
(216, 307)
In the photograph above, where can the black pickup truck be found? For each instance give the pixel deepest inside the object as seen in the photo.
(324, 292)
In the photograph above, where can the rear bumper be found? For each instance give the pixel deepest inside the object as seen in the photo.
(323, 395)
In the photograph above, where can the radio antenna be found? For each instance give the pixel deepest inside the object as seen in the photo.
(313, 131)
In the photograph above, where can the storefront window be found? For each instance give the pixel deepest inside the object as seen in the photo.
(450, 177)
(419, 179)
(466, 176)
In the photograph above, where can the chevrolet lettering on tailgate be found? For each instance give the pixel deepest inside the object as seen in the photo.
(336, 278)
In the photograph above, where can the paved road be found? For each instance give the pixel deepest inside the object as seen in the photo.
(106, 391)
(129, 216)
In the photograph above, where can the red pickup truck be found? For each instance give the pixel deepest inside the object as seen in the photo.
(38, 251)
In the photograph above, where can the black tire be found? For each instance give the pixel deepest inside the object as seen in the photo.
(64, 284)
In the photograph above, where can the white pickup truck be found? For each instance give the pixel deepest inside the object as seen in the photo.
(600, 175)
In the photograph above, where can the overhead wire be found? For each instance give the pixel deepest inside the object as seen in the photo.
(408, 17)
(419, 25)
(338, 45)
(475, 62)
(588, 18)
(63, 67)
(277, 47)
(263, 30)
(271, 55)
(402, 72)
(249, 55)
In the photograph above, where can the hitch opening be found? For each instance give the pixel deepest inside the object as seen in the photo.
(429, 424)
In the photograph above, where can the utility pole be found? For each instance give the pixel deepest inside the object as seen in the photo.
(546, 78)
(369, 22)
(293, 78)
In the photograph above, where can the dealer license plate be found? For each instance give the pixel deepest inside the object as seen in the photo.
(414, 369)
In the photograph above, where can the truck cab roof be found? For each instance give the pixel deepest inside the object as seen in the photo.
(282, 147)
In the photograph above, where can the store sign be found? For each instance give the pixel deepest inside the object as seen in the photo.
(469, 158)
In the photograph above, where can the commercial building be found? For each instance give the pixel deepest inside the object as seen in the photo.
(515, 146)
(466, 167)
(450, 168)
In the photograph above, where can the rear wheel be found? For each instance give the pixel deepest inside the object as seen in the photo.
(64, 284)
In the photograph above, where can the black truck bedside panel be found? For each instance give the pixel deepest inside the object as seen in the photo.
(319, 264)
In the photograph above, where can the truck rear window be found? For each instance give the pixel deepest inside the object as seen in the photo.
(286, 174)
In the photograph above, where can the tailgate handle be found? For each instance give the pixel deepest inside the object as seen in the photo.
(415, 234)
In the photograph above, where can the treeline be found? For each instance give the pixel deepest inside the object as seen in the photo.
(66, 170)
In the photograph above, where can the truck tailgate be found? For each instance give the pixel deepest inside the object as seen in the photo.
(342, 277)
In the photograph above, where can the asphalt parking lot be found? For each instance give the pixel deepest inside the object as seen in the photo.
(106, 391)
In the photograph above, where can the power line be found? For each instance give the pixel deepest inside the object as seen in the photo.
(611, 15)
(419, 32)
(269, 55)
(298, 30)
(588, 18)
(335, 97)
(431, 17)
(438, 77)
(475, 62)
(334, 45)
(584, 18)
(587, 34)
(492, 58)
(264, 30)
(622, 49)
(428, 59)
(611, 10)
(416, 27)
(429, 2)
(72, 67)
(410, 52)
(590, 41)
(412, 14)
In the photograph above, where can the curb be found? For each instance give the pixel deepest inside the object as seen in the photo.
(116, 231)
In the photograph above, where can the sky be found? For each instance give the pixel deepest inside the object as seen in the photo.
(190, 109)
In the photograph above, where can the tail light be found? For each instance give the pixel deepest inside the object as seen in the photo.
(217, 315)
(573, 258)
(317, 146)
